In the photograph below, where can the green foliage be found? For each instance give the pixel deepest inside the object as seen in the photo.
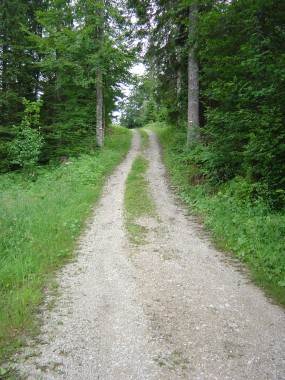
(19, 76)
(141, 107)
(239, 45)
(25, 149)
(52, 49)
(72, 54)
(167, 53)
(132, 108)
(241, 219)
(241, 82)
(149, 111)
(40, 222)
(131, 116)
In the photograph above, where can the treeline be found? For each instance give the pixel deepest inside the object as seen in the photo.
(61, 63)
(234, 50)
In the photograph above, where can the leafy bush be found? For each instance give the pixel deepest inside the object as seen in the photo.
(242, 76)
(25, 149)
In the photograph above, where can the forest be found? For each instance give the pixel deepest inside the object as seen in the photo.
(63, 64)
(213, 90)
(236, 49)
(56, 56)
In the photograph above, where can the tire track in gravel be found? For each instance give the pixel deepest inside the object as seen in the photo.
(173, 308)
(96, 329)
(211, 322)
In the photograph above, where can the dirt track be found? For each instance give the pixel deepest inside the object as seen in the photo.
(174, 308)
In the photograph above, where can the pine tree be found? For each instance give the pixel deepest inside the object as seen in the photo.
(19, 75)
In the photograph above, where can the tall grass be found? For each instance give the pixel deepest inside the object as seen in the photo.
(40, 221)
(249, 229)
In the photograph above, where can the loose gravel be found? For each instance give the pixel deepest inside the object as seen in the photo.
(173, 308)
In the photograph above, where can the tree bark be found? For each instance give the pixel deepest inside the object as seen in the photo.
(99, 111)
(178, 78)
(99, 87)
(193, 80)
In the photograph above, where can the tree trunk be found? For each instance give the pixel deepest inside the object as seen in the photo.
(99, 111)
(178, 78)
(193, 80)
(99, 87)
(4, 85)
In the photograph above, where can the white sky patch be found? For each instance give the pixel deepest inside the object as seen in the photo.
(138, 69)
(116, 116)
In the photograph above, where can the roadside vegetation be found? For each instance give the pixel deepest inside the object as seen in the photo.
(242, 222)
(138, 201)
(41, 217)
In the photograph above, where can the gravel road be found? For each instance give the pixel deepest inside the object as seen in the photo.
(173, 308)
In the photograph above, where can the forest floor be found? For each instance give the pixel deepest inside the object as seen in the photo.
(172, 307)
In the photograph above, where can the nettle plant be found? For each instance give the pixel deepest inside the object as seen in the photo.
(25, 149)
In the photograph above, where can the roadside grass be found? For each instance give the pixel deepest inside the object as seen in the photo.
(40, 222)
(144, 139)
(250, 230)
(138, 201)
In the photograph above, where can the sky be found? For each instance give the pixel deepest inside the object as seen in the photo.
(138, 69)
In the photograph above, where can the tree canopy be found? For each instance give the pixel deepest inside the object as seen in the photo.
(51, 49)
(229, 54)
(238, 47)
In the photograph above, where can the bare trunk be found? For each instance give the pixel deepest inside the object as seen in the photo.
(179, 83)
(99, 111)
(193, 80)
(99, 88)
(4, 85)
(178, 79)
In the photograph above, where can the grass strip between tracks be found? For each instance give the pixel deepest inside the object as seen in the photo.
(138, 201)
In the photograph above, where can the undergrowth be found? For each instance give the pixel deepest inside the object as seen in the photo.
(138, 201)
(241, 223)
(41, 218)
